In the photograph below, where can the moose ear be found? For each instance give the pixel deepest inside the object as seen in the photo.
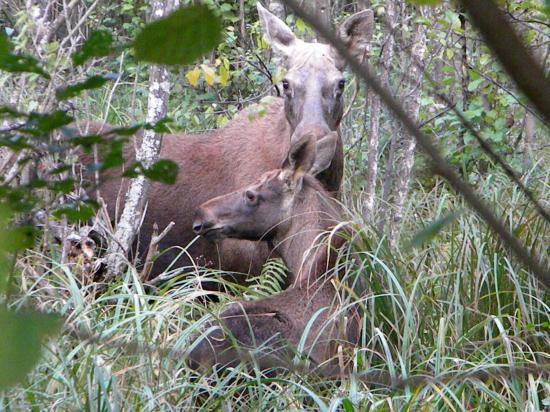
(326, 148)
(299, 161)
(278, 35)
(356, 33)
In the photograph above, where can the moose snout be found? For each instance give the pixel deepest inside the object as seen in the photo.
(202, 222)
(200, 226)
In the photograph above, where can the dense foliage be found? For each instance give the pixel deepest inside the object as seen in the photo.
(448, 301)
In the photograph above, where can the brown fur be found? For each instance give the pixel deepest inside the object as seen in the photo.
(233, 156)
(210, 164)
(291, 211)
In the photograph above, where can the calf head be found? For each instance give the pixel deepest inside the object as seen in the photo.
(264, 209)
(314, 83)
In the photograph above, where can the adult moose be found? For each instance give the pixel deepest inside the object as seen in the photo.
(226, 159)
(290, 210)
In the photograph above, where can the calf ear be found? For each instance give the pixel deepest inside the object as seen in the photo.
(278, 35)
(356, 33)
(299, 161)
(326, 148)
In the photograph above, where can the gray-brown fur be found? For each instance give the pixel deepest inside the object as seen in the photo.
(291, 210)
(226, 159)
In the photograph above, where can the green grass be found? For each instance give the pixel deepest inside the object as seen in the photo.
(456, 308)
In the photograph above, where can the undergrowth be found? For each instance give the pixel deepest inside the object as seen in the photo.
(451, 321)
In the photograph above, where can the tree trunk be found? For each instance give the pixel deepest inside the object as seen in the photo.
(464, 77)
(408, 144)
(147, 154)
(321, 10)
(374, 104)
(529, 127)
(388, 180)
(277, 8)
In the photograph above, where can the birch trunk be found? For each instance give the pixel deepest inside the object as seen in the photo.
(374, 104)
(148, 153)
(408, 144)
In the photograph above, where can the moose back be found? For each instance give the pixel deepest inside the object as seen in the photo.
(219, 162)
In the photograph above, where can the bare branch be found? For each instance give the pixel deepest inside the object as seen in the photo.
(439, 164)
(505, 43)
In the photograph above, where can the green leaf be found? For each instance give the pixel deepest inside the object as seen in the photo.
(5, 45)
(473, 85)
(99, 44)
(43, 123)
(300, 25)
(179, 38)
(348, 406)
(159, 127)
(76, 212)
(164, 171)
(62, 186)
(115, 155)
(17, 63)
(13, 238)
(21, 341)
(87, 141)
(430, 231)
(94, 82)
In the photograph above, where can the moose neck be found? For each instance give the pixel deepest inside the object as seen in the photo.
(307, 255)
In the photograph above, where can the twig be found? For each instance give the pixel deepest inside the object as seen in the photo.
(440, 165)
(436, 116)
(153, 248)
(486, 146)
(351, 101)
(506, 45)
(507, 91)
(165, 277)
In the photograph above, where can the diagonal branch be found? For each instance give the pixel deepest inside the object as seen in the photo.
(439, 164)
(514, 57)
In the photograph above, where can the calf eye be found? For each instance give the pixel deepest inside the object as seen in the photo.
(341, 84)
(251, 197)
(286, 85)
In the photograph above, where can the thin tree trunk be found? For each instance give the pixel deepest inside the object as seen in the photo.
(530, 120)
(412, 106)
(242, 22)
(464, 77)
(147, 154)
(374, 104)
(529, 127)
(388, 180)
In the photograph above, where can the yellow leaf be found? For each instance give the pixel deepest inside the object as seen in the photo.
(193, 76)
(224, 75)
(209, 74)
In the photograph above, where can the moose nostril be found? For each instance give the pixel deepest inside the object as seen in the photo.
(197, 226)
(200, 226)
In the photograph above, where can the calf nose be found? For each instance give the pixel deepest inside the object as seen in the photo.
(200, 226)
(201, 223)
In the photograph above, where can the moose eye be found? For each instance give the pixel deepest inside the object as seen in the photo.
(341, 84)
(286, 86)
(251, 197)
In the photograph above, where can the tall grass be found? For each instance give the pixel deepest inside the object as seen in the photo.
(455, 309)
